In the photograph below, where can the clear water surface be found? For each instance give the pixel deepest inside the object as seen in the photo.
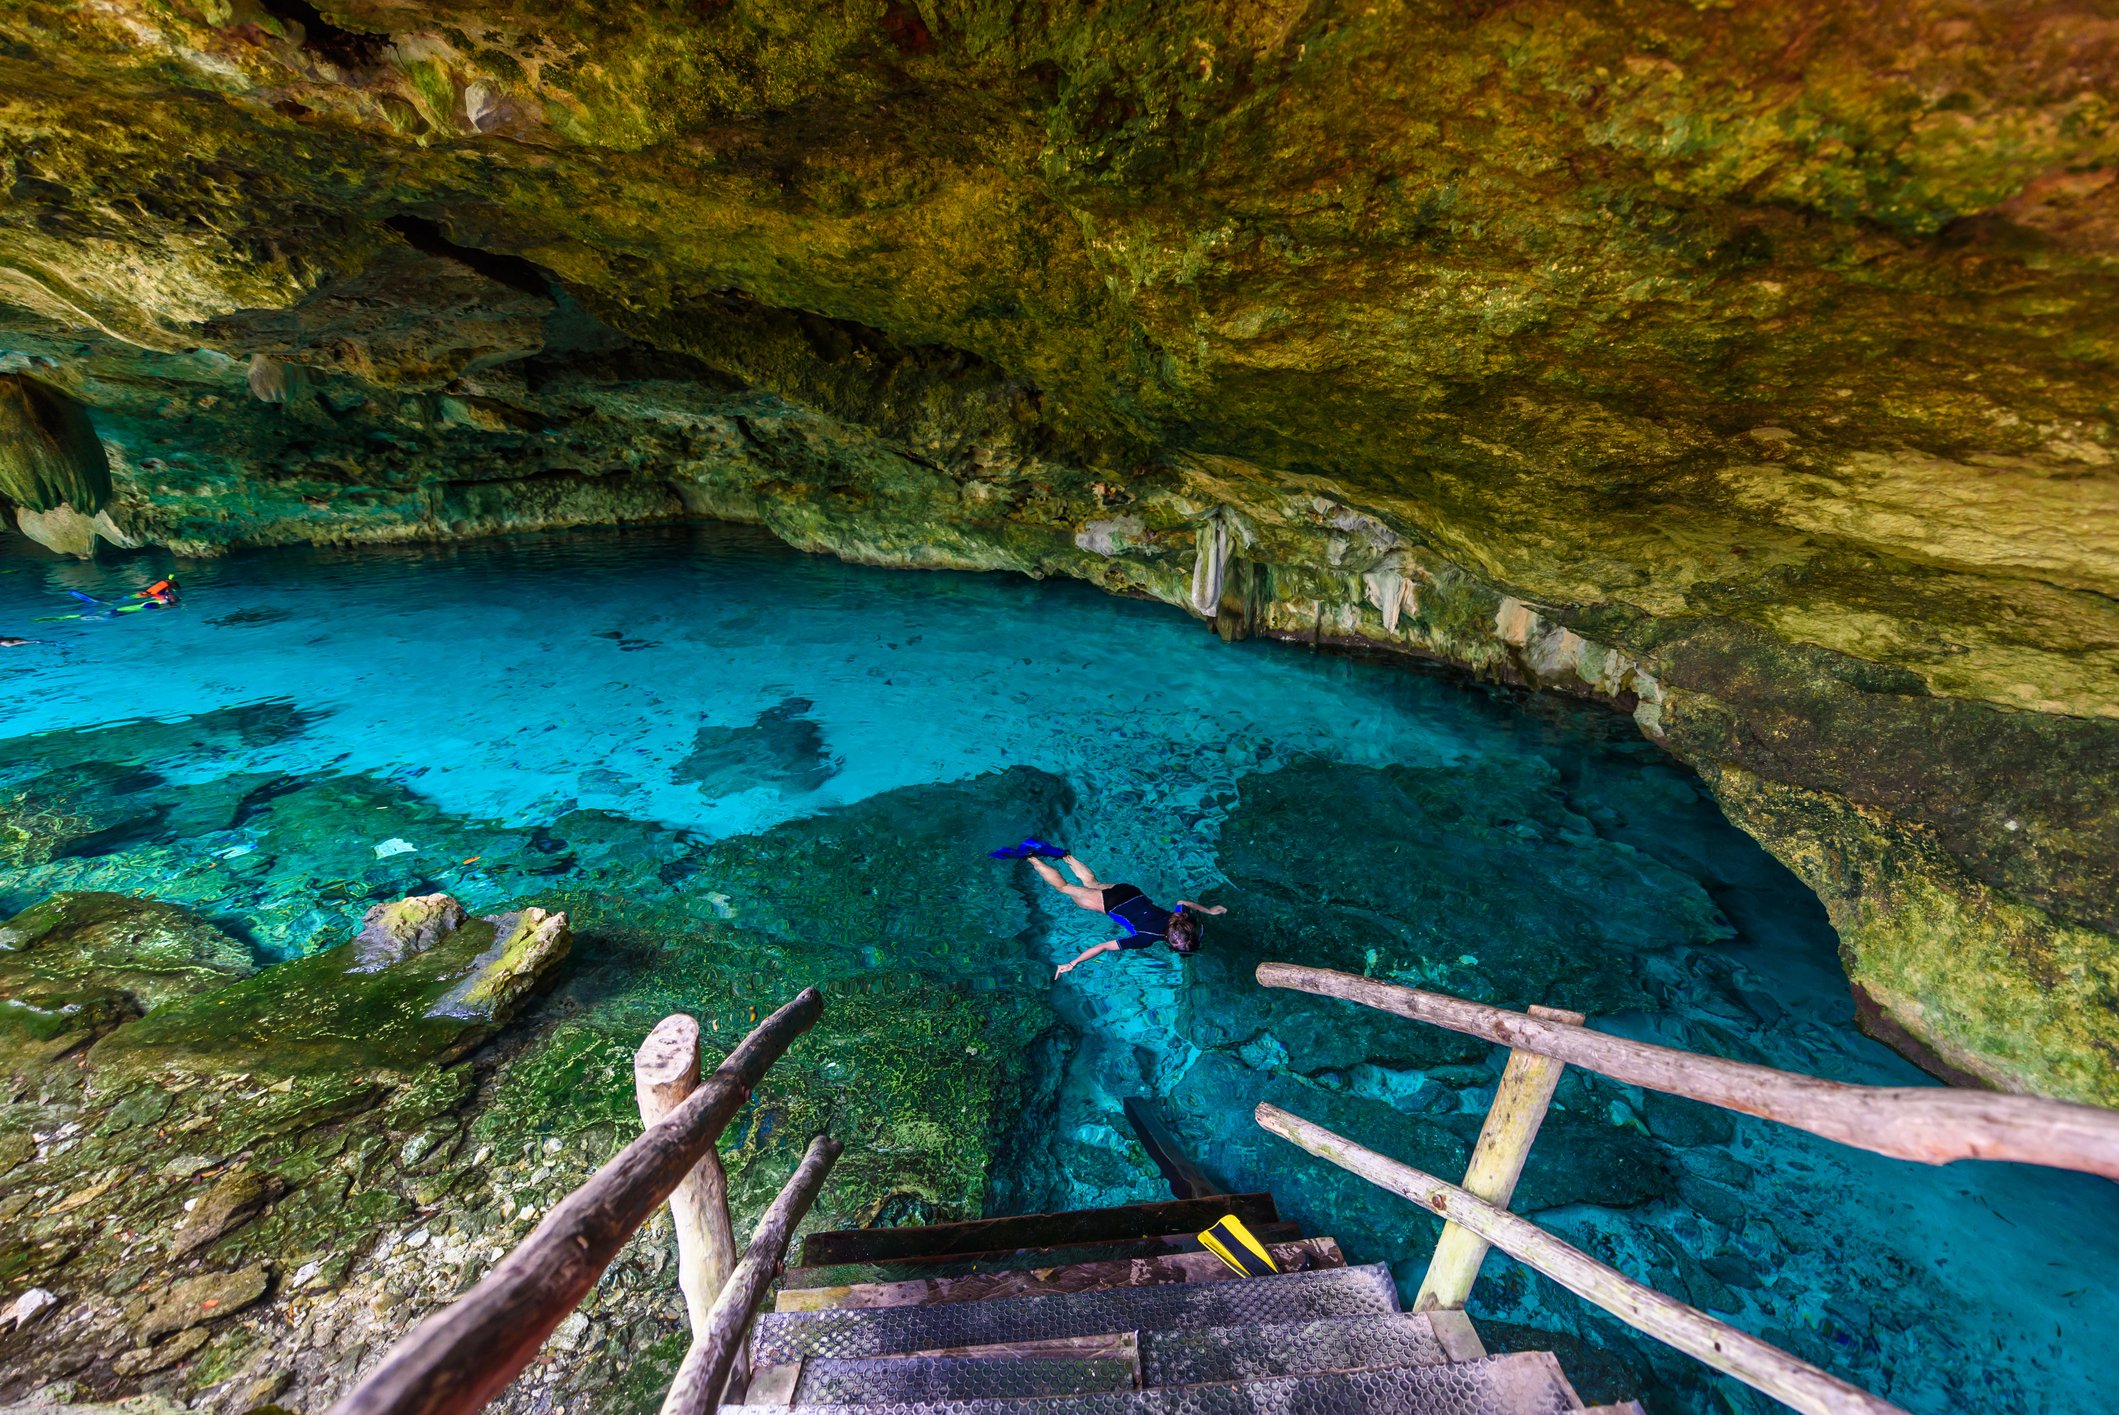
(716, 684)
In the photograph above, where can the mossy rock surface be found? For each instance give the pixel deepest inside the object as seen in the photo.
(1602, 357)
(352, 1011)
(83, 962)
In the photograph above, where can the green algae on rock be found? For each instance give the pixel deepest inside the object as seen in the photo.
(421, 986)
(401, 1163)
(81, 963)
(1975, 984)
(291, 1173)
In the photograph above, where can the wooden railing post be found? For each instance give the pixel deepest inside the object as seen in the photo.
(461, 1357)
(1512, 1122)
(665, 1070)
(716, 1346)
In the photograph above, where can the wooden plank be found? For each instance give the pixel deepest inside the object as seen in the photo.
(1762, 1367)
(706, 1367)
(665, 1071)
(775, 1385)
(1925, 1123)
(940, 1240)
(1115, 1346)
(1512, 1122)
(965, 1264)
(1456, 1335)
(464, 1355)
(1302, 1256)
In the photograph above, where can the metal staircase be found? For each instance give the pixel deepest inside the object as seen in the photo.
(1121, 1309)
(908, 1321)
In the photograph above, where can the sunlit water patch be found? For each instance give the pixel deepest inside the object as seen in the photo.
(704, 729)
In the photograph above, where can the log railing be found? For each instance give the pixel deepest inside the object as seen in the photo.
(461, 1357)
(717, 1348)
(1931, 1125)
(1791, 1381)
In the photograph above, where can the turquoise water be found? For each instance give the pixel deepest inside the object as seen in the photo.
(596, 712)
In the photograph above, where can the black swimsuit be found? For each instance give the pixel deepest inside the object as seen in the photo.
(1145, 925)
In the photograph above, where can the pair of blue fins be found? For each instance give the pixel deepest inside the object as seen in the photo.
(1031, 848)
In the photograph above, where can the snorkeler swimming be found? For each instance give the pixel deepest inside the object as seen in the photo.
(159, 595)
(1142, 922)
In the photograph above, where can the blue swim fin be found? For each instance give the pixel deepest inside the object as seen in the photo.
(1031, 846)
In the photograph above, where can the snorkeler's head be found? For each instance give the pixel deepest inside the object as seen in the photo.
(1183, 932)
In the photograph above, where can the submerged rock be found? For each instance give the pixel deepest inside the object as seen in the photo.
(235, 1199)
(82, 963)
(448, 982)
(158, 952)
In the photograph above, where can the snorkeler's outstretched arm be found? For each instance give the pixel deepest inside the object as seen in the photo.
(1109, 945)
(1201, 908)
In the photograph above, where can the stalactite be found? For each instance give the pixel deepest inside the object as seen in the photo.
(50, 455)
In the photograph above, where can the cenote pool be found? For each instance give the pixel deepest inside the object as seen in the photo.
(742, 770)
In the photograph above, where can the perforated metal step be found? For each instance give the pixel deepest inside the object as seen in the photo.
(1167, 1358)
(1521, 1383)
(781, 1337)
(1196, 1357)
(931, 1378)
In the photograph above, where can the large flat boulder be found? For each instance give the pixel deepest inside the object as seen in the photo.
(422, 984)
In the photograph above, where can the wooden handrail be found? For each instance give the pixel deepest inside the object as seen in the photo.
(705, 1371)
(1787, 1379)
(1931, 1124)
(461, 1357)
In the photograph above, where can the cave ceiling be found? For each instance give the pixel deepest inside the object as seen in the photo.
(1771, 346)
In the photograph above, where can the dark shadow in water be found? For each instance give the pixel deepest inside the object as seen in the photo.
(783, 749)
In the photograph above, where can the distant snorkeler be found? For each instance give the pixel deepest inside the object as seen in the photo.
(1143, 924)
(159, 595)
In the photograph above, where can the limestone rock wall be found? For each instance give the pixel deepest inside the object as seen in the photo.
(1750, 368)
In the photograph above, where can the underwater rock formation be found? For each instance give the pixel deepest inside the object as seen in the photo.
(1749, 368)
(330, 1147)
(784, 748)
(349, 1011)
(82, 963)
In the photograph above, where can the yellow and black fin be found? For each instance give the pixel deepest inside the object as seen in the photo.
(1237, 1246)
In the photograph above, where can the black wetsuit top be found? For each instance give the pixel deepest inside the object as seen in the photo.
(1145, 925)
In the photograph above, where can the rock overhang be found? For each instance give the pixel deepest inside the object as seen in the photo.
(1749, 369)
